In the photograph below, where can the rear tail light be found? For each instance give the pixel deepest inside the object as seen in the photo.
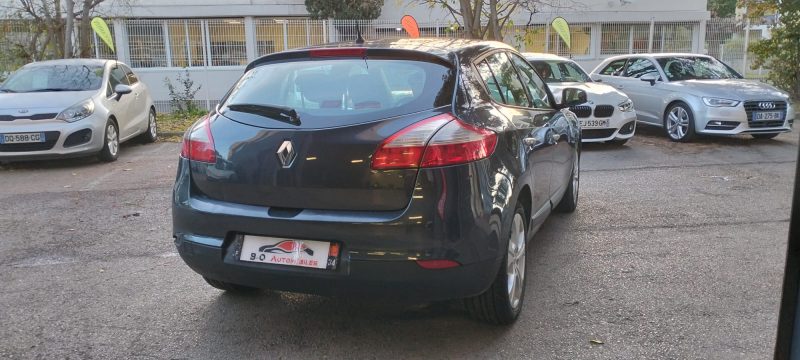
(198, 144)
(439, 141)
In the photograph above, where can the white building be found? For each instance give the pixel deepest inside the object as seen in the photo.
(215, 39)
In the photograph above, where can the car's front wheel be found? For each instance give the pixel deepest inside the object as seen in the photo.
(502, 302)
(110, 151)
(679, 123)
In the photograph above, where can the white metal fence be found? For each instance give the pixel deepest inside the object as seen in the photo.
(216, 50)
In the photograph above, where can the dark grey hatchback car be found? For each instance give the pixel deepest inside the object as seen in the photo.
(412, 168)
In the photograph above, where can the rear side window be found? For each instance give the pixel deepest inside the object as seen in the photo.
(504, 85)
(614, 68)
(346, 91)
(640, 67)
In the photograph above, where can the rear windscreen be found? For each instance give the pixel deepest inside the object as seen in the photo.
(335, 92)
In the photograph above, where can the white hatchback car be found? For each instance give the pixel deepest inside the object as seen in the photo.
(608, 116)
(74, 107)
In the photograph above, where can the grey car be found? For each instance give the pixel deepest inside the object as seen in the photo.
(689, 94)
(70, 108)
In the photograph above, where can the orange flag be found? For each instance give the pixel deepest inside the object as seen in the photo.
(410, 24)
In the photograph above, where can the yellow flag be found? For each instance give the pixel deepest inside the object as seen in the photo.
(562, 29)
(101, 28)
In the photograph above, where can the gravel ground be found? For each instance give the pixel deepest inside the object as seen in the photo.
(675, 251)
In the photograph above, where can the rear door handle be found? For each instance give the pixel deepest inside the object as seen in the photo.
(556, 137)
(530, 141)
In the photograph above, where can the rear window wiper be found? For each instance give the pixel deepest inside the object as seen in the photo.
(276, 112)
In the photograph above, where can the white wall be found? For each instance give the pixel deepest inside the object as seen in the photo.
(572, 10)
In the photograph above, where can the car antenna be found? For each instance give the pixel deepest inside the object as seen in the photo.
(359, 39)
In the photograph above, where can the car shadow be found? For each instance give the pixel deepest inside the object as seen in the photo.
(277, 320)
(656, 134)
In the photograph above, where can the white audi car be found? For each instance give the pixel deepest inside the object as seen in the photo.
(607, 116)
(689, 94)
(75, 107)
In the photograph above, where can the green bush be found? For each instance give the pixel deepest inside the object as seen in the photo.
(181, 97)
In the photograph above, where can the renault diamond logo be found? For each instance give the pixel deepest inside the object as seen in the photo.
(286, 154)
(766, 105)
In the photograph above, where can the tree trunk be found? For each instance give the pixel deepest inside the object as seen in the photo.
(69, 27)
(85, 31)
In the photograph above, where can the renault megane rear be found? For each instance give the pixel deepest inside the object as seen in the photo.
(416, 169)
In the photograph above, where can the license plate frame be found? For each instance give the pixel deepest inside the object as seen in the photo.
(594, 123)
(767, 115)
(22, 138)
(295, 253)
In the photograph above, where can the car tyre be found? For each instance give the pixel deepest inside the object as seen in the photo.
(569, 202)
(764, 136)
(501, 304)
(110, 150)
(151, 134)
(679, 123)
(229, 287)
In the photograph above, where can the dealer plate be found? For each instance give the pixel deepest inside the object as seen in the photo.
(767, 115)
(594, 123)
(290, 252)
(22, 138)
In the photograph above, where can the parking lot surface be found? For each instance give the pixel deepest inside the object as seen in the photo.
(675, 251)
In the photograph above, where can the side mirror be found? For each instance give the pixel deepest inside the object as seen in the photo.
(572, 97)
(651, 78)
(122, 89)
(596, 78)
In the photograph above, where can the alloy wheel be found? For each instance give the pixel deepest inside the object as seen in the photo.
(152, 125)
(515, 261)
(678, 123)
(112, 139)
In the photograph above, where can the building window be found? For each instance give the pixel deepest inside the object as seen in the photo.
(273, 33)
(618, 39)
(580, 37)
(146, 43)
(186, 42)
(673, 37)
(227, 42)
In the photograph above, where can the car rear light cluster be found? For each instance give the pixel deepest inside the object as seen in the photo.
(438, 141)
(198, 144)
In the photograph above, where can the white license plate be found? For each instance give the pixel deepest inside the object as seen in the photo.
(290, 252)
(594, 123)
(767, 115)
(22, 138)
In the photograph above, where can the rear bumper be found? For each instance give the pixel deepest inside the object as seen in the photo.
(378, 249)
(399, 280)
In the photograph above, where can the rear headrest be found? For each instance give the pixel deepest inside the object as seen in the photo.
(320, 87)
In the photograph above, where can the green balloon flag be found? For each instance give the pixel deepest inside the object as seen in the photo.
(562, 29)
(103, 32)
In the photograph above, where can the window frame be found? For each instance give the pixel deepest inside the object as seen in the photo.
(632, 60)
(623, 67)
(474, 65)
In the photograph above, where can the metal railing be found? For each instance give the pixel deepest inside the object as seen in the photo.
(169, 45)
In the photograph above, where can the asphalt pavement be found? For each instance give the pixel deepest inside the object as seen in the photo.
(675, 251)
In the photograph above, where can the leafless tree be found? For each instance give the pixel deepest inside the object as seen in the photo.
(489, 19)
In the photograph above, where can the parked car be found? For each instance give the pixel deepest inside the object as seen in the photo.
(412, 168)
(75, 107)
(690, 94)
(607, 116)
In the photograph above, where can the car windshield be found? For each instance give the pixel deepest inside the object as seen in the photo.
(356, 90)
(554, 71)
(696, 68)
(46, 78)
